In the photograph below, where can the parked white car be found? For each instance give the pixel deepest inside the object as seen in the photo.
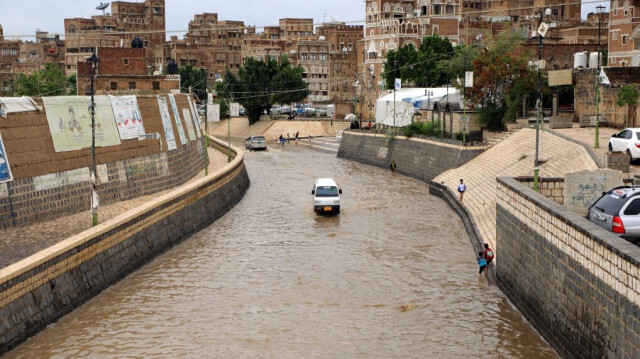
(627, 141)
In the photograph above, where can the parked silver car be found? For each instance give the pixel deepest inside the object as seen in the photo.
(618, 211)
(256, 143)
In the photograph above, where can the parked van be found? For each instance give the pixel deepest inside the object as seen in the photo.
(326, 196)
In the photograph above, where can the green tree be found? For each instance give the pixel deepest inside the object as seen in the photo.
(628, 96)
(193, 78)
(502, 76)
(421, 67)
(259, 84)
(49, 81)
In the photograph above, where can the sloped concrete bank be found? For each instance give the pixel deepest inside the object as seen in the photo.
(44, 287)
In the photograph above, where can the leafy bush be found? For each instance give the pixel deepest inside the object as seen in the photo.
(429, 128)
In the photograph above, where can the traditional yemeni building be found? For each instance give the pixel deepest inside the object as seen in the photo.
(343, 42)
(624, 34)
(124, 71)
(9, 54)
(210, 43)
(391, 24)
(128, 20)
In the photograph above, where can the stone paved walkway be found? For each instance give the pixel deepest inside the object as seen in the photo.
(513, 157)
(21, 242)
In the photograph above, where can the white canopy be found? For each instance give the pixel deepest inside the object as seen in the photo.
(407, 102)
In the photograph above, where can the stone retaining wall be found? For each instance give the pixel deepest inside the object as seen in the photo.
(578, 284)
(49, 184)
(42, 288)
(28, 200)
(418, 158)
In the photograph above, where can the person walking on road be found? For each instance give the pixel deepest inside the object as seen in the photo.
(482, 263)
(488, 255)
(393, 167)
(297, 134)
(281, 140)
(461, 188)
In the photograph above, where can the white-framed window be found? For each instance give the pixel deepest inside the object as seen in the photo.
(614, 35)
(624, 39)
(613, 60)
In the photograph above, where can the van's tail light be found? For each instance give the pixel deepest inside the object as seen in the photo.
(637, 145)
(617, 226)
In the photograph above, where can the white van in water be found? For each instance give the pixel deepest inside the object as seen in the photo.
(326, 196)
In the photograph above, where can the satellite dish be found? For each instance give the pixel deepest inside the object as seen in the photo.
(102, 6)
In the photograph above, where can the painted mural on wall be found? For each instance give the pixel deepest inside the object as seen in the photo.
(187, 121)
(194, 116)
(69, 122)
(176, 116)
(127, 115)
(166, 123)
(5, 170)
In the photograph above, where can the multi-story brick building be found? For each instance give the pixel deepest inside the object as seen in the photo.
(624, 34)
(128, 20)
(124, 71)
(210, 43)
(313, 56)
(9, 54)
(391, 24)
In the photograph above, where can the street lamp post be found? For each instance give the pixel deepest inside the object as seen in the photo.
(206, 119)
(93, 66)
(596, 144)
(355, 99)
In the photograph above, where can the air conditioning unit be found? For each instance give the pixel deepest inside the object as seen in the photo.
(416, 13)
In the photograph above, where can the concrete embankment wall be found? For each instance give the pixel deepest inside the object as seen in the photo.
(42, 288)
(578, 284)
(419, 158)
(49, 184)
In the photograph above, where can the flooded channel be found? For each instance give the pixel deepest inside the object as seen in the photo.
(393, 276)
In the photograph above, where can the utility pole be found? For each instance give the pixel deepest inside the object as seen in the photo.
(596, 144)
(538, 103)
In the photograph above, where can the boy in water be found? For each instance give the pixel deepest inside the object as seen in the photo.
(482, 263)
(488, 255)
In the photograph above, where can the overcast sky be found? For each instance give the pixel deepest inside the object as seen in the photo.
(21, 18)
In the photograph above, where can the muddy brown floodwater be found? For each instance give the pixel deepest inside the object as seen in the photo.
(393, 276)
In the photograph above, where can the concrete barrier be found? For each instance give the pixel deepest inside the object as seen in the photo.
(44, 287)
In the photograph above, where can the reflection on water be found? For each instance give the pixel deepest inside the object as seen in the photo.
(393, 276)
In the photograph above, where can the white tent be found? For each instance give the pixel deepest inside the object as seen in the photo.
(407, 102)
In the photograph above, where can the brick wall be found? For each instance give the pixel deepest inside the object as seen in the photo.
(419, 158)
(42, 288)
(550, 187)
(51, 184)
(578, 284)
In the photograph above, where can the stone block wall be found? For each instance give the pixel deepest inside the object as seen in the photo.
(560, 122)
(32, 199)
(550, 187)
(418, 158)
(42, 288)
(578, 284)
(618, 161)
